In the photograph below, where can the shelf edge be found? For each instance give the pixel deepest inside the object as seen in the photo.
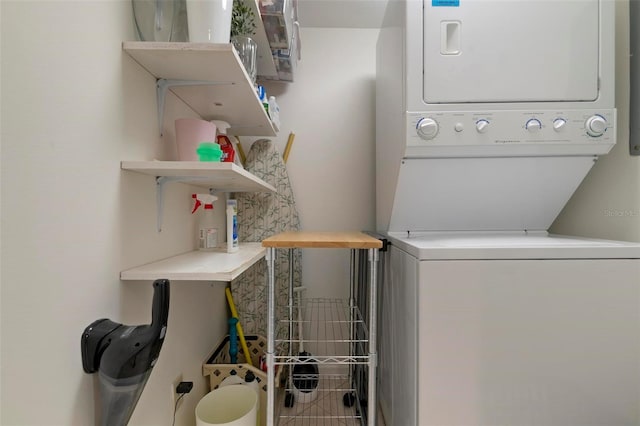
(145, 272)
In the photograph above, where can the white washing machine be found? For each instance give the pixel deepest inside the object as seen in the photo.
(489, 114)
(510, 330)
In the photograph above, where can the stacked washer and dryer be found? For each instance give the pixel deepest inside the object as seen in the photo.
(489, 115)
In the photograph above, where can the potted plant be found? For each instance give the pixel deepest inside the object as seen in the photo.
(243, 26)
(242, 19)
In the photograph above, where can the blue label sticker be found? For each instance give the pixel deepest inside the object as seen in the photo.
(449, 3)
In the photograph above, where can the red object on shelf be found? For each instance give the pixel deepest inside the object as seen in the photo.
(228, 153)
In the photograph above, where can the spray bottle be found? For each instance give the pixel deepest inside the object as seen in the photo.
(207, 232)
(228, 153)
(223, 140)
(232, 226)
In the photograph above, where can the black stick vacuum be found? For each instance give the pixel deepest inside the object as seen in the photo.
(124, 355)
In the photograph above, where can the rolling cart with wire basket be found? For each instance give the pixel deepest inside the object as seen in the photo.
(340, 341)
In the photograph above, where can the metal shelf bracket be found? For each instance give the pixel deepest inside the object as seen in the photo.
(163, 84)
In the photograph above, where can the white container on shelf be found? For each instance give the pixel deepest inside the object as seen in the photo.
(209, 20)
(274, 112)
(207, 230)
(232, 226)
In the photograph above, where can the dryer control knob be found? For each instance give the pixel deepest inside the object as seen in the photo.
(559, 124)
(427, 128)
(533, 125)
(596, 125)
(482, 125)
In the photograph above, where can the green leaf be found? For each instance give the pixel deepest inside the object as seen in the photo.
(242, 19)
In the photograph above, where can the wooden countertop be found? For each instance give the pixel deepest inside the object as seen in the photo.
(313, 239)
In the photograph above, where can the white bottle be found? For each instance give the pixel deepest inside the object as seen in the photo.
(232, 226)
(207, 231)
(251, 381)
(274, 112)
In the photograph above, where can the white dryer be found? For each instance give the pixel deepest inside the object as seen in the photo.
(489, 113)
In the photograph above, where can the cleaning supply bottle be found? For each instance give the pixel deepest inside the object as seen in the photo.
(251, 381)
(207, 231)
(274, 112)
(228, 153)
(222, 127)
(262, 95)
(232, 226)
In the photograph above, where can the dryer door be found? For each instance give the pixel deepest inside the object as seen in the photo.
(510, 51)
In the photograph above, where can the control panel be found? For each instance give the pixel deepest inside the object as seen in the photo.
(592, 131)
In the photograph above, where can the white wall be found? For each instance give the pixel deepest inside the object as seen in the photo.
(331, 110)
(73, 106)
(607, 204)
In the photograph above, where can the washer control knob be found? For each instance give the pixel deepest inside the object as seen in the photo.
(596, 125)
(533, 125)
(427, 128)
(482, 125)
(559, 124)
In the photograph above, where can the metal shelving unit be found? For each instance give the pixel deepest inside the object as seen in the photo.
(342, 341)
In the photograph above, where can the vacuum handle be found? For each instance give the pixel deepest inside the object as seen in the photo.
(160, 308)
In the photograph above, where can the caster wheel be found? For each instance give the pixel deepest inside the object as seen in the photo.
(289, 400)
(348, 399)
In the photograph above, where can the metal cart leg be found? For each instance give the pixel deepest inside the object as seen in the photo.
(372, 405)
(288, 396)
(291, 302)
(352, 325)
(271, 324)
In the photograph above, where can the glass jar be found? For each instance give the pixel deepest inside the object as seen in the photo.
(247, 50)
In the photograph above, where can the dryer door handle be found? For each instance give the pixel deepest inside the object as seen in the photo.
(450, 37)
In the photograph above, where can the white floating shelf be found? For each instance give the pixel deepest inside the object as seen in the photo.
(230, 96)
(216, 175)
(200, 265)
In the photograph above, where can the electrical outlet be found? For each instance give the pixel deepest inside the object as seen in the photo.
(174, 394)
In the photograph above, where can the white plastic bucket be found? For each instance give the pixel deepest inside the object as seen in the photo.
(229, 406)
(190, 132)
(234, 380)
